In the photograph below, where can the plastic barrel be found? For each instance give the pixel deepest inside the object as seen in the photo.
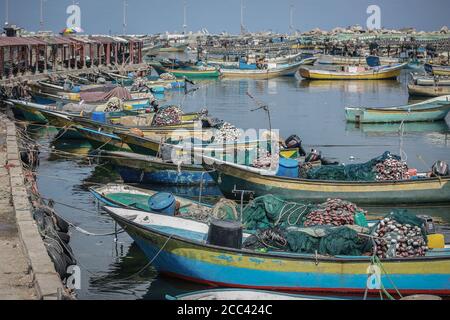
(162, 202)
(288, 168)
(99, 116)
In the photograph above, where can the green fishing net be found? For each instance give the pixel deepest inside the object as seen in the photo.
(269, 211)
(350, 172)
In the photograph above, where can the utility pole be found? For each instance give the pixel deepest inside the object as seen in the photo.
(184, 17)
(41, 21)
(6, 12)
(125, 5)
(242, 17)
(291, 20)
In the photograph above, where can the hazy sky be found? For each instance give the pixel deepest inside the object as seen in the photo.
(153, 16)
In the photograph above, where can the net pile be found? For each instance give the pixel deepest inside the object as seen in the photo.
(391, 169)
(400, 234)
(167, 76)
(334, 212)
(264, 159)
(226, 132)
(169, 115)
(351, 172)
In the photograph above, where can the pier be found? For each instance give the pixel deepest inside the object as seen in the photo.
(26, 271)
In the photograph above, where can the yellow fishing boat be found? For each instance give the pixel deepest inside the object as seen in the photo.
(353, 73)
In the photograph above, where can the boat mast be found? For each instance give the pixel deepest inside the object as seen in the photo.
(242, 17)
(184, 17)
(6, 12)
(125, 5)
(41, 21)
(291, 20)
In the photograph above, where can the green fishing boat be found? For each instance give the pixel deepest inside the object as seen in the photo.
(429, 110)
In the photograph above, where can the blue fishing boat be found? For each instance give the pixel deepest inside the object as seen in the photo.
(178, 247)
(137, 168)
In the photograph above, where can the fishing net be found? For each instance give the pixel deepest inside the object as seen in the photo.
(400, 234)
(323, 240)
(269, 211)
(350, 172)
(167, 115)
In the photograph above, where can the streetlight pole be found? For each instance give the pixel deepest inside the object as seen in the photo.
(125, 5)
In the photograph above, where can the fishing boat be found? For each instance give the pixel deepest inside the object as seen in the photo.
(341, 60)
(242, 294)
(438, 70)
(428, 91)
(125, 196)
(253, 72)
(150, 146)
(101, 140)
(190, 72)
(353, 73)
(429, 110)
(230, 176)
(144, 169)
(179, 248)
(173, 47)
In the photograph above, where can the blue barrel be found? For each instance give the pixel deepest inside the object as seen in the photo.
(162, 202)
(76, 89)
(288, 168)
(158, 90)
(98, 116)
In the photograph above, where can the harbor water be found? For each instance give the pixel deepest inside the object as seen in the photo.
(313, 110)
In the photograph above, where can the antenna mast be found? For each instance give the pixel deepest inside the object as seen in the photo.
(125, 5)
(184, 17)
(291, 20)
(7, 12)
(242, 17)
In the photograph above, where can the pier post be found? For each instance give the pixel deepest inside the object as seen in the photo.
(116, 53)
(11, 60)
(2, 68)
(108, 54)
(45, 58)
(36, 50)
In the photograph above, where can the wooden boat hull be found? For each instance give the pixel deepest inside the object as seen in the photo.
(193, 260)
(430, 110)
(373, 116)
(262, 74)
(339, 60)
(375, 74)
(421, 191)
(243, 294)
(428, 91)
(103, 140)
(150, 170)
(190, 74)
(441, 71)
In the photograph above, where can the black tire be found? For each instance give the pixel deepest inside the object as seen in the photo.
(62, 225)
(64, 237)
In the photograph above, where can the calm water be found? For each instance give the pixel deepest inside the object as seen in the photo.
(312, 110)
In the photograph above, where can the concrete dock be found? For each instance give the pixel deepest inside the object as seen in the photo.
(26, 270)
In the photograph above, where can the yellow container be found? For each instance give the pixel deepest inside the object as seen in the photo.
(127, 107)
(436, 241)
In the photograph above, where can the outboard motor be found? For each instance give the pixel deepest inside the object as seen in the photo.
(293, 142)
(439, 169)
(314, 155)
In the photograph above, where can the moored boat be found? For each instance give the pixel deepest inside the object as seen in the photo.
(125, 196)
(144, 169)
(179, 249)
(230, 176)
(429, 110)
(272, 71)
(353, 73)
(243, 294)
(428, 91)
